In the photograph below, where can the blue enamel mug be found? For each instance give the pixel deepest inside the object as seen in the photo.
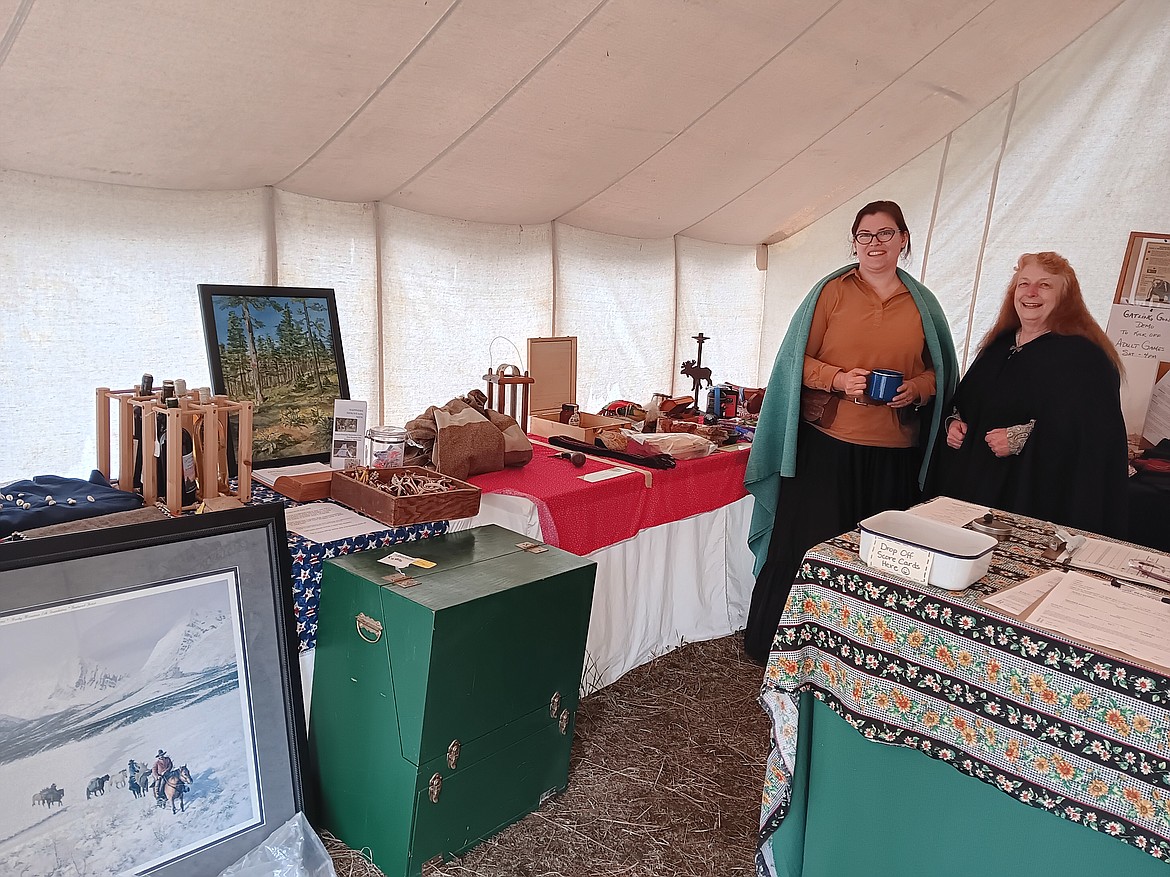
(882, 384)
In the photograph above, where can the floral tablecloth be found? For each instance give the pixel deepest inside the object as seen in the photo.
(1050, 722)
(308, 558)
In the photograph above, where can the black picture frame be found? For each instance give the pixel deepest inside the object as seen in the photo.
(174, 635)
(288, 337)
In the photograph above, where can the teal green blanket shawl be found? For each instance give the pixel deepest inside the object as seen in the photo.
(773, 453)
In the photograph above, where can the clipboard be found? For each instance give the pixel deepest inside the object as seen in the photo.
(1026, 614)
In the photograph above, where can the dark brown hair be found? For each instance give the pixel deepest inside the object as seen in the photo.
(889, 207)
(1069, 317)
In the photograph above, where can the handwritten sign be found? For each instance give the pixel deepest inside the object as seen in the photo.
(1140, 331)
(907, 561)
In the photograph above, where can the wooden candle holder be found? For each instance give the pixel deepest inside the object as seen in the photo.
(207, 422)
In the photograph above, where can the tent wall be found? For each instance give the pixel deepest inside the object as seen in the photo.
(1073, 159)
(100, 279)
(101, 286)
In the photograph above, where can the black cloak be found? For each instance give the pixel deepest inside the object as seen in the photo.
(1073, 467)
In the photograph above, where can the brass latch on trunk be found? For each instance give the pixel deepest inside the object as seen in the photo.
(434, 787)
(453, 754)
(368, 629)
(554, 704)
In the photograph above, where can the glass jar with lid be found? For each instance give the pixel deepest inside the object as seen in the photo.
(385, 447)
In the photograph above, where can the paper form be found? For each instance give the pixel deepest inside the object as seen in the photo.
(950, 511)
(1121, 618)
(328, 522)
(1017, 598)
(1117, 560)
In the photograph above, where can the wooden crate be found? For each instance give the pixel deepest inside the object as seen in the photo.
(208, 424)
(461, 500)
(548, 425)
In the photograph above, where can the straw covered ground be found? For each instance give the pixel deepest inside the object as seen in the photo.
(665, 778)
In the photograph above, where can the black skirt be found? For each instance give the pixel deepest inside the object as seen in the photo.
(836, 485)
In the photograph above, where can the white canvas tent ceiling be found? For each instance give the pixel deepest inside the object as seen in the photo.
(735, 121)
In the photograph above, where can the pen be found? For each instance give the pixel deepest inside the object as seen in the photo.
(1120, 585)
(1150, 570)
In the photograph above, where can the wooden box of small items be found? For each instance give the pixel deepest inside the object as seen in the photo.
(407, 495)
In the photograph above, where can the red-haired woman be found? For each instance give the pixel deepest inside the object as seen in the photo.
(1037, 428)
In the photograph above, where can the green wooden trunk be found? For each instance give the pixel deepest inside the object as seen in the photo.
(444, 711)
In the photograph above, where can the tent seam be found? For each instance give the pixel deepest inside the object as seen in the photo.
(426, 38)
(272, 254)
(556, 270)
(674, 332)
(515, 88)
(942, 168)
(381, 355)
(1007, 127)
(763, 314)
(845, 119)
(705, 112)
(14, 29)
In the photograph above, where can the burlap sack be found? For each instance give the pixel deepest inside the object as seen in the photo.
(462, 438)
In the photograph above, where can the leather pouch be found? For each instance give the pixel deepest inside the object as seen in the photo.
(818, 406)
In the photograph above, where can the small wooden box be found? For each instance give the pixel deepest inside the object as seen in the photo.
(304, 488)
(591, 424)
(459, 501)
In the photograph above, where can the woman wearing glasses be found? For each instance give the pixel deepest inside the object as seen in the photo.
(1019, 440)
(824, 456)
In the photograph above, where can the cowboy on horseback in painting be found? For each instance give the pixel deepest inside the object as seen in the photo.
(162, 764)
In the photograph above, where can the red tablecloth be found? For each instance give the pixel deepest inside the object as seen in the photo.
(582, 516)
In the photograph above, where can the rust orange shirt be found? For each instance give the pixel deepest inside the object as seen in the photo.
(853, 328)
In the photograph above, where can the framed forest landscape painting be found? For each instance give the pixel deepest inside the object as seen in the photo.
(151, 720)
(280, 348)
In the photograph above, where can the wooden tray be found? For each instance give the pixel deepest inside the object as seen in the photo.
(591, 424)
(459, 501)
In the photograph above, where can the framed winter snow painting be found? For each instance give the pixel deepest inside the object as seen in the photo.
(151, 721)
(278, 347)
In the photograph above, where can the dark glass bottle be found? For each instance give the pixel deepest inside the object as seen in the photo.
(144, 390)
(186, 456)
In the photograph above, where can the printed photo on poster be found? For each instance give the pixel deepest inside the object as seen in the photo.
(131, 734)
(349, 430)
(1145, 276)
(148, 725)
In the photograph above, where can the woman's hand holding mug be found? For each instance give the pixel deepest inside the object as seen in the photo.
(852, 382)
(907, 395)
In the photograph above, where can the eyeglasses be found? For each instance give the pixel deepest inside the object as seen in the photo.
(884, 235)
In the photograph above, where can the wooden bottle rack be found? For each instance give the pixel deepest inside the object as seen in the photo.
(208, 424)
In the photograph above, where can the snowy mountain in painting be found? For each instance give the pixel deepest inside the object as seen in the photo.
(200, 642)
(193, 660)
(73, 682)
(84, 679)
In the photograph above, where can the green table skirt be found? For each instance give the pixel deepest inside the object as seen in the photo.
(865, 808)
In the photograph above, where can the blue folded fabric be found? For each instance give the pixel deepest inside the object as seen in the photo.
(48, 500)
